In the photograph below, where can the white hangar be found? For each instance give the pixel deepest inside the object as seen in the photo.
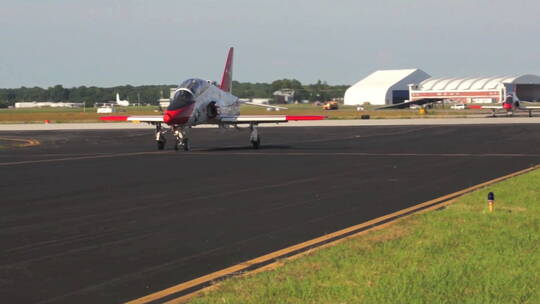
(384, 87)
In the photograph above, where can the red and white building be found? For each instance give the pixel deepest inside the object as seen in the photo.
(477, 90)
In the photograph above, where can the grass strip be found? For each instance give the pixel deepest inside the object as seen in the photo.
(63, 115)
(462, 254)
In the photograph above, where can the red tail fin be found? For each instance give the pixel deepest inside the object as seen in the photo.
(226, 80)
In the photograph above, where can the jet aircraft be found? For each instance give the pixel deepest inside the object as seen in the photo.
(510, 105)
(123, 103)
(198, 101)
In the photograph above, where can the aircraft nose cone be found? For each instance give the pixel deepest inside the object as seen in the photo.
(166, 118)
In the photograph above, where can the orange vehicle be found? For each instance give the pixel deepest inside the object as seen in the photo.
(330, 105)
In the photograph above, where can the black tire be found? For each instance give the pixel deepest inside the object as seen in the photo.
(177, 145)
(185, 144)
(160, 145)
(256, 143)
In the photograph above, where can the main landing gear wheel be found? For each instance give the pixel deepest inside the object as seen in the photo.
(254, 136)
(256, 143)
(160, 137)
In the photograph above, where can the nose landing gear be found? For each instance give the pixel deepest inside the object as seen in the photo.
(182, 140)
(180, 135)
(182, 144)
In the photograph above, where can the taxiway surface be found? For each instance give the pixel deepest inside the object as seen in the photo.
(100, 216)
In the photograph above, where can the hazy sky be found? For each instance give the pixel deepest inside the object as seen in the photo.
(108, 43)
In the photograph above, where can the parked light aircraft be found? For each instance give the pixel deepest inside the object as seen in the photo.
(198, 101)
(510, 105)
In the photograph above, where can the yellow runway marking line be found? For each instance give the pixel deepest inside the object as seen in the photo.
(326, 239)
(26, 142)
(277, 264)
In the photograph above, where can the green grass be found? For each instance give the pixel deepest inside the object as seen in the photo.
(462, 254)
(60, 115)
(75, 110)
(350, 112)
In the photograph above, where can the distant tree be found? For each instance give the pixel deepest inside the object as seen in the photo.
(56, 93)
(151, 93)
(286, 84)
(11, 96)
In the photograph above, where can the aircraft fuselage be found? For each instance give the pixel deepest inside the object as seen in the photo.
(198, 101)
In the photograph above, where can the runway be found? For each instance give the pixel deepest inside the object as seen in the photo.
(100, 216)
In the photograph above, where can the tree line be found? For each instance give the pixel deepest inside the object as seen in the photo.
(319, 91)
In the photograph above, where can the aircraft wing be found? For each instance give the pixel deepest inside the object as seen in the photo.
(263, 105)
(529, 107)
(267, 118)
(229, 119)
(500, 107)
(485, 107)
(135, 118)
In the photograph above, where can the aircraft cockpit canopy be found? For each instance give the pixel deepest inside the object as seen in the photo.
(182, 98)
(196, 86)
(186, 93)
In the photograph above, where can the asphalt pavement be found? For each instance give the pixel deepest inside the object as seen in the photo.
(101, 216)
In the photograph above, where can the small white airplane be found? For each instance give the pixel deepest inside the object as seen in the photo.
(510, 105)
(198, 101)
(122, 103)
